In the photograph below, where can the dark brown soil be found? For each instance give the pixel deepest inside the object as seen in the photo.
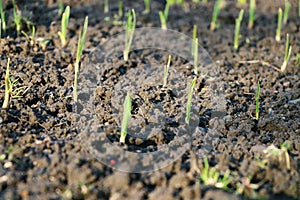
(45, 155)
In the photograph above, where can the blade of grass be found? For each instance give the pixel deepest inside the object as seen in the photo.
(126, 117)
(279, 25)
(166, 71)
(194, 38)
(216, 11)
(238, 22)
(189, 101)
(147, 6)
(106, 8)
(80, 45)
(7, 88)
(195, 56)
(251, 13)
(164, 15)
(288, 51)
(17, 17)
(130, 28)
(2, 14)
(257, 96)
(64, 24)
(287, 8)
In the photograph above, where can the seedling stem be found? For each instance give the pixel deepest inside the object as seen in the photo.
(64, 25)
(126, 117)
(279, 25)
(130, 28)
(257, 101)
(216, 11)
(288, 51)
(166, 71)
(237, 29)
(189, 101)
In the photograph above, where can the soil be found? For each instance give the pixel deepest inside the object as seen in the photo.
(45, 155)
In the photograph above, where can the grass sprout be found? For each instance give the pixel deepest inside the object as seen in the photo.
(81, 41)
(164, 16)
(147, 6)
(2, 15)
(242, 1)
(288, 51)
(30, 39)
(106, 8)
(210, 176)
(287, 8)
(120, 8)
(17, 17)
(60, 7)
(213, 24)
(279, 25)
(166, 71)
(130, 28)
(251, 13)
(195, 56)
(194, 39)
(238, 22)
(11, 91)
(126, 117)
(64, 24)
(189, 101)
(257, 96)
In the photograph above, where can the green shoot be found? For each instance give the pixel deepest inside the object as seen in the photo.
(287, 8)
(0, 30)
(17, 17)
(251, 13)
(210, 176)
(189, 101)
(194, 39)
(30, 39)
(216, 11)
(147, 6)
(43, 44)
(60, 6)
(120, 8)
(288, 51)
(81, 41)
(126, 117)
(257, 96)
(195, 56)
(166, 71)
(64, 25)
(164, 16)
(130, 27)
(10, 90)
(7, 88)
(2, 14)
(299, 8)
(237, 29)
(106, 8)
(279, 25)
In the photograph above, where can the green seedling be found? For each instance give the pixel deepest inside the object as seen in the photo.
(7, 86)
(189, 101)
(216, 11)
(166, 71)
(11, 92)
(64, 24)
(130, 28)
(194, 39)
(106, 8)
(164, 16)
(287, 8)
(43, 44)
(279, 25)
(17, 17)
(288, 51)
(147, 6)
(2, 14)
(238, 22)
(80, 45)
(245, 186)
(257, 96)
(210, 176)
(60, 7)
(251, 13)
(30, 39)
(120, 8)
(299, 8)
(195, 56)
(126, 117)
